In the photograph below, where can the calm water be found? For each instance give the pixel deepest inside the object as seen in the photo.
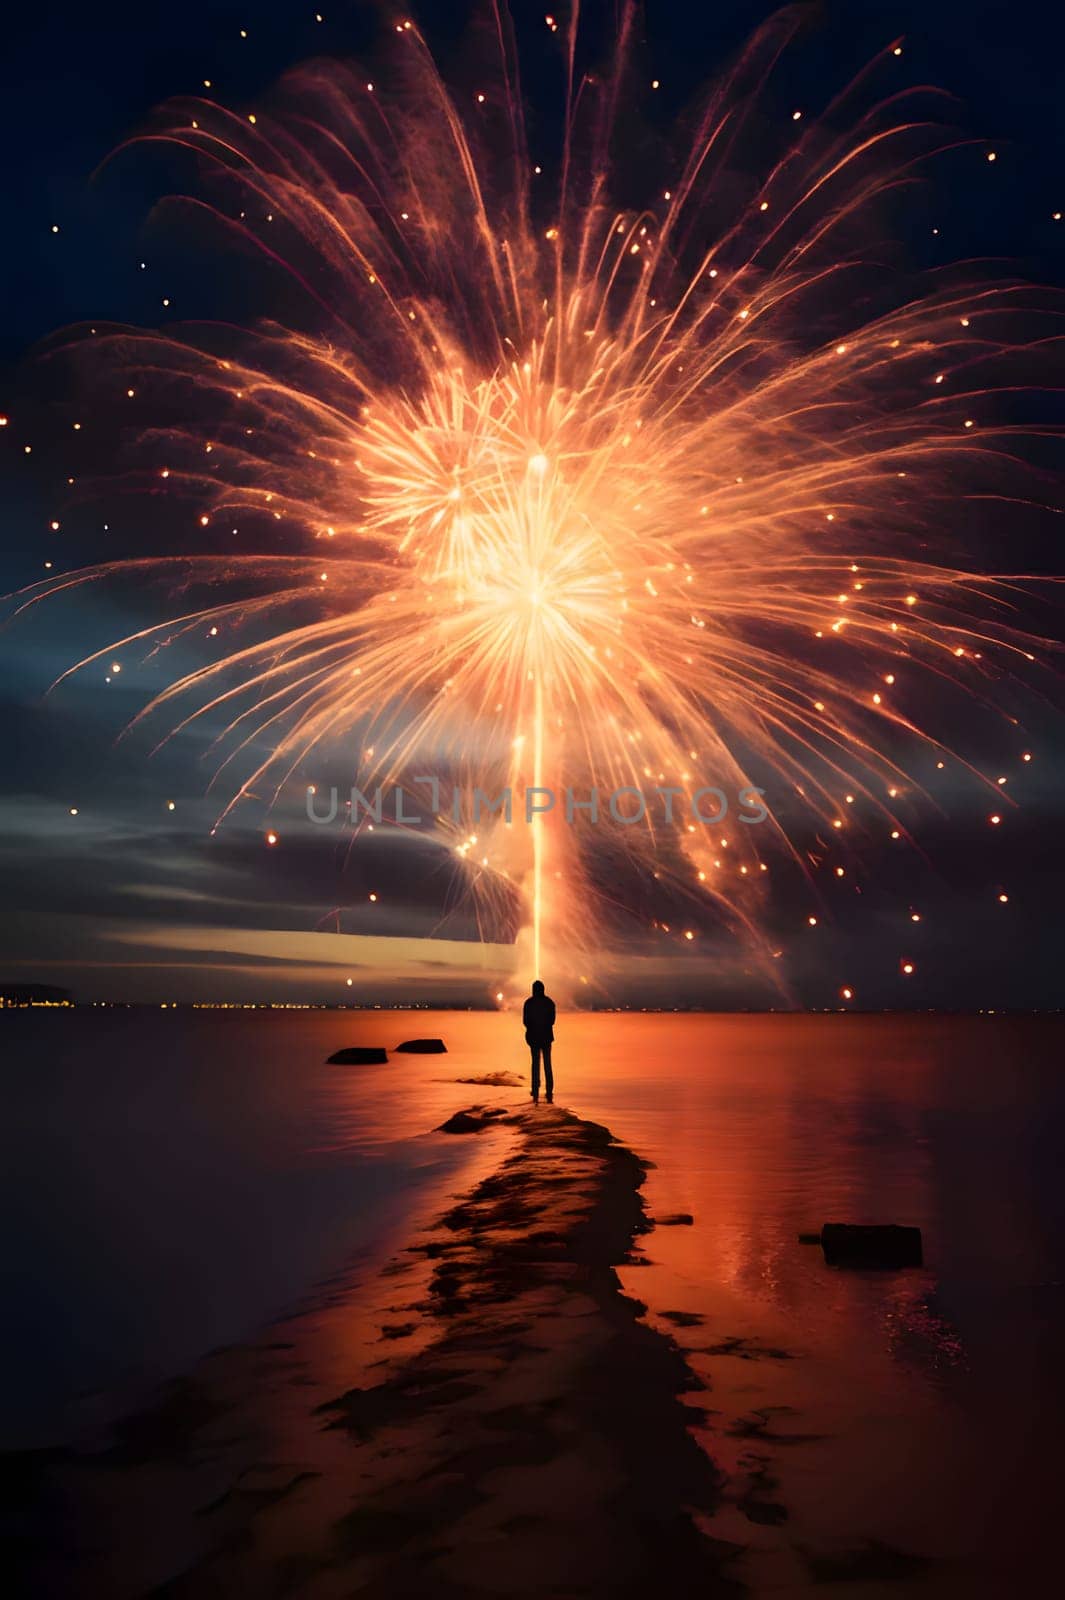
(173, 1181)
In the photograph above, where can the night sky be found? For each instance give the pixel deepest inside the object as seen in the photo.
(133, 897)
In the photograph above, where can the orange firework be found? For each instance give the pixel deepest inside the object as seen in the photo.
(583, 496)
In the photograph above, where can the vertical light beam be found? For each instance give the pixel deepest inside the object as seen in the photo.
(538, 835)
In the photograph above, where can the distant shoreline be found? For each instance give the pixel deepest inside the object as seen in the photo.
(368, 1008)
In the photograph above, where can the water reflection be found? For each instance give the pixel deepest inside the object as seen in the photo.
(181, 1173)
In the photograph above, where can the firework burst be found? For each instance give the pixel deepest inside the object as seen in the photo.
(581, 494)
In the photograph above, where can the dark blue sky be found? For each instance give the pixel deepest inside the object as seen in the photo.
(89, 904)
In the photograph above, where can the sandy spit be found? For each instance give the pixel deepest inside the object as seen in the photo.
(527, 1433)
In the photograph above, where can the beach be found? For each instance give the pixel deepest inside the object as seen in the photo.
(528, 1435)
(572, 1358)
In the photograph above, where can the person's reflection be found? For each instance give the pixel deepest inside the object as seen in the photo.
(538, 1016)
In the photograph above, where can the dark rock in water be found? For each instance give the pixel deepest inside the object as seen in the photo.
(475, 1120)
(360, 1055)
(423, 1047)
(847, 1244)
(675, 1219)
(495, 1080)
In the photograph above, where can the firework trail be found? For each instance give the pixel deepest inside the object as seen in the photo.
(581, 495)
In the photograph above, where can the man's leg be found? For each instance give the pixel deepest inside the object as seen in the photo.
(535, 1071)
(549, 1080)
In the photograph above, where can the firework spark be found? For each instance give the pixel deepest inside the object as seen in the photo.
(582, 494)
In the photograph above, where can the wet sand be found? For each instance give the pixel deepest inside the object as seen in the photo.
(518, 1428)
(180, 1180)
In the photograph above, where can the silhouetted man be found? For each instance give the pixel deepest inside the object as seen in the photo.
(538, 1015)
